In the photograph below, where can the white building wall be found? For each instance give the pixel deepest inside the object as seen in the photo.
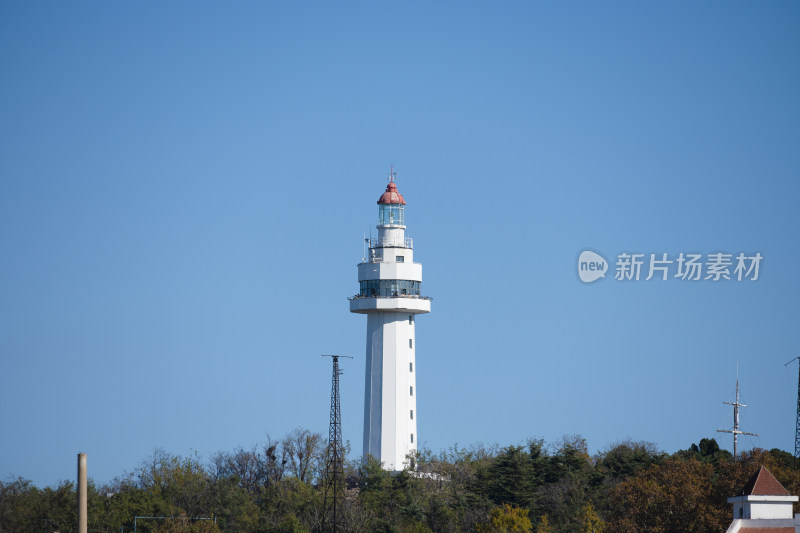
(770, 510)
(407, 270)
(762, 506)
(391, 233)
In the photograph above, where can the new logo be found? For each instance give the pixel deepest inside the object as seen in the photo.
(591, 266)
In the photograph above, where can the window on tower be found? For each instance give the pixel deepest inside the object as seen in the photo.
(412, 414)
(410, 320)
(410, 367)
(412, 438)
(387, 288)
(400, 259)
(391, 215)
(410, 343)
(411, 391)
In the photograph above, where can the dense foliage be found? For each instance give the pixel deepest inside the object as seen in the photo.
(278, 487)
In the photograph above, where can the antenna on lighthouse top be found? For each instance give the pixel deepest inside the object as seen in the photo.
(736, 405)
(392, 173)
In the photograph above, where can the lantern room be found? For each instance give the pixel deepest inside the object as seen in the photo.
(391, 210)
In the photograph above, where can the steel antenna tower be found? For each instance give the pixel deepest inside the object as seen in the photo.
(334, 457)
(736, 431)
(797, 419)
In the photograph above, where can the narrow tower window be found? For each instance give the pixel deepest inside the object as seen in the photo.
(411, 390)
(412, 438)
(412, 414)
(410, 320)
(410, 343)
(410, 367)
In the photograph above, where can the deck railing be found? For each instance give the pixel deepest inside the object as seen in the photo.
(415, 296)
(384, 242)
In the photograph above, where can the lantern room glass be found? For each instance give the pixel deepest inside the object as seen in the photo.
(391, 215)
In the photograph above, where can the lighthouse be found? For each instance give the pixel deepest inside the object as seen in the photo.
(389, 294)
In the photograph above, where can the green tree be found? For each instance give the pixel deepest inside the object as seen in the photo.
(58, 506)
(510, 478)
(181, 483)
(20, 506)
(707, 451)
(571, 458)
(626, 458)
(291, 524)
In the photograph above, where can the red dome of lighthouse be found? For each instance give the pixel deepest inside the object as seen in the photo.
(391, 196)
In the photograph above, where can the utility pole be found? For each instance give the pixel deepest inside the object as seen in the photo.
(797, 418)
(736, 431)
(334, 458)
(82, 493)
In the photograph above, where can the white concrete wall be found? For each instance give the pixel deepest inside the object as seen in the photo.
(412, 271)
(762, 506)
(392, 232)
(389, 254)
(388, 400)
(770, 510)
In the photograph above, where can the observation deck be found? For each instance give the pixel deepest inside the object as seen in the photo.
(401, 303)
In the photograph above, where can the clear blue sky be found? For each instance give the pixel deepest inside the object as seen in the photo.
(184, 187)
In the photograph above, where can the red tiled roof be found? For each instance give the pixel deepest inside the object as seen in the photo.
(763, 483)
(782, 529)
(391, 196)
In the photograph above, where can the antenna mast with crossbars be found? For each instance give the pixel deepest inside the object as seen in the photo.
(334, 458)
(797, 418)
(736, 431)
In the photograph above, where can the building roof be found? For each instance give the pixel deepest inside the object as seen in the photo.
(763, 483)
(391, 196)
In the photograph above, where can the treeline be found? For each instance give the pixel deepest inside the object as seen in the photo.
(278, 487)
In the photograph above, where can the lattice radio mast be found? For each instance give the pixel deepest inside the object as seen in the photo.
(334, 458)
(736, 431)
(797, 418)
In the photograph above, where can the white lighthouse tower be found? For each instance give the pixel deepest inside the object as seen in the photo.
(390, 296)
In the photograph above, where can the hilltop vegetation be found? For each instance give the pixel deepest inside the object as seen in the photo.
(276, 487)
